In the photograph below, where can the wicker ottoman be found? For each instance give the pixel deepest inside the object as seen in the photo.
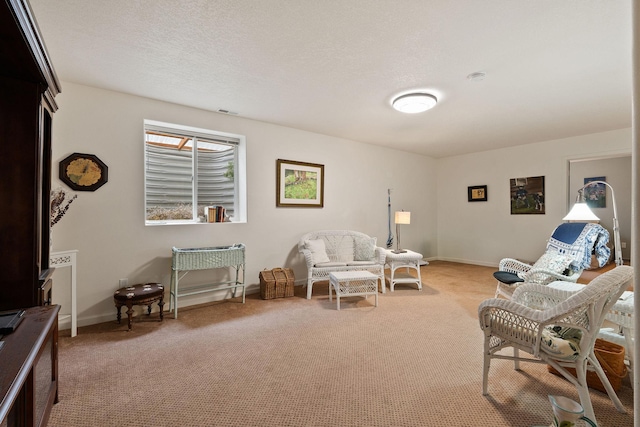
(143, 294)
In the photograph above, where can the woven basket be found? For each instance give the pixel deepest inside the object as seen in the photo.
(276, 283)
(611, 358)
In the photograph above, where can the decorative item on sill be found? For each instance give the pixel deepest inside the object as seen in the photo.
(60, 202)
(216, 214)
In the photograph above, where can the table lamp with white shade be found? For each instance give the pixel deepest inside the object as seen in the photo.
(402, 217)
(581, 212)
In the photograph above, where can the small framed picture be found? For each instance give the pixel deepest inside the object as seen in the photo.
(595, 194)
(477, 193)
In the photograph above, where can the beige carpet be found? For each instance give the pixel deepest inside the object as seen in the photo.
(415, 360)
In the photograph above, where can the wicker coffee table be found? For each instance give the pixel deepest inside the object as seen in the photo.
(352, 283)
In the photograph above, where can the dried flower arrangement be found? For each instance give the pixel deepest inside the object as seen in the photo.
(59, 204)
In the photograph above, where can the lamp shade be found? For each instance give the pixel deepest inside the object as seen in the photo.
(580, 212)
(403, 217)
(414, 102)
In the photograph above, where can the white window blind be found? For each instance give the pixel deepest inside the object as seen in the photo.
(179, 177)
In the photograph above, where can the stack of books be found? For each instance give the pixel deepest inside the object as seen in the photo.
(215, 213)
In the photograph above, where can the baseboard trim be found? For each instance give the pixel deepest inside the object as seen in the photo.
(467, 261)
(223, 294)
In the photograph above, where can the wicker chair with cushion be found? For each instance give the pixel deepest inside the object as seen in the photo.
(571, 249)
(555, 327)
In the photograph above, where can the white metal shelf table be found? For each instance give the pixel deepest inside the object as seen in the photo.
(185, 260)
(408, 260)
(68, 259)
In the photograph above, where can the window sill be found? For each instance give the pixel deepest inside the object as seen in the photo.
(157, 223)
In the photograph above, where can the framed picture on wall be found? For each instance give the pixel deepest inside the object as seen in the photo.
(299, 184)
(477, 193)
(596, 194)
(527, 195)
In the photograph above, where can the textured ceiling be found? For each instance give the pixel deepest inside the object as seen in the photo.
(554, 69)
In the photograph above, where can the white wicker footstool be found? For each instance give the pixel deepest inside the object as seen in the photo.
(407, 260)
(351, 283)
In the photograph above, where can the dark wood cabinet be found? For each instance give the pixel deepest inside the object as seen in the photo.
(29, 375)
(28, 86)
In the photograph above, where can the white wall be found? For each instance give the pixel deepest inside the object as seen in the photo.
(107, 226)
(485, 232)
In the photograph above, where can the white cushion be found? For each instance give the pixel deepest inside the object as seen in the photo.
(552, 262)
(330, 264)
(361, 263)
(365, 248)
(318, 250)
(344, 248)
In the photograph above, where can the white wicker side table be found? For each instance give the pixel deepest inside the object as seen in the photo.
(407, 260)
(621, 314)
(352, 283)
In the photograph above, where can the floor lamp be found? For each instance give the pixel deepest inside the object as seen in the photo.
(402, 217)
(581, 212)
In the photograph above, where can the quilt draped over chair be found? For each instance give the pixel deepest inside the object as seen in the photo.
(568, 252)
(580, 241)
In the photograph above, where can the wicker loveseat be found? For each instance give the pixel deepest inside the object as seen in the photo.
(328, 251)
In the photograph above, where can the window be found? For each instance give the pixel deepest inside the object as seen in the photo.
(190, 173)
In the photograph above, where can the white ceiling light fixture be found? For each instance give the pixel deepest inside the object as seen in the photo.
(415, 102)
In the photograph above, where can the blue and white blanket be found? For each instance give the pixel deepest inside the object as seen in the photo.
(580, 240)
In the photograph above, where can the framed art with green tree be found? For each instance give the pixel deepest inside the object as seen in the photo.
(299, 184)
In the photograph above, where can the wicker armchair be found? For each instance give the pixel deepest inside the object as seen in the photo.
(518, 269)
(570, 249)
(530, 322)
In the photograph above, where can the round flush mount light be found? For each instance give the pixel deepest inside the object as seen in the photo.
(414, 102)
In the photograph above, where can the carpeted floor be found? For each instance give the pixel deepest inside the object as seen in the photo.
(415, 360)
